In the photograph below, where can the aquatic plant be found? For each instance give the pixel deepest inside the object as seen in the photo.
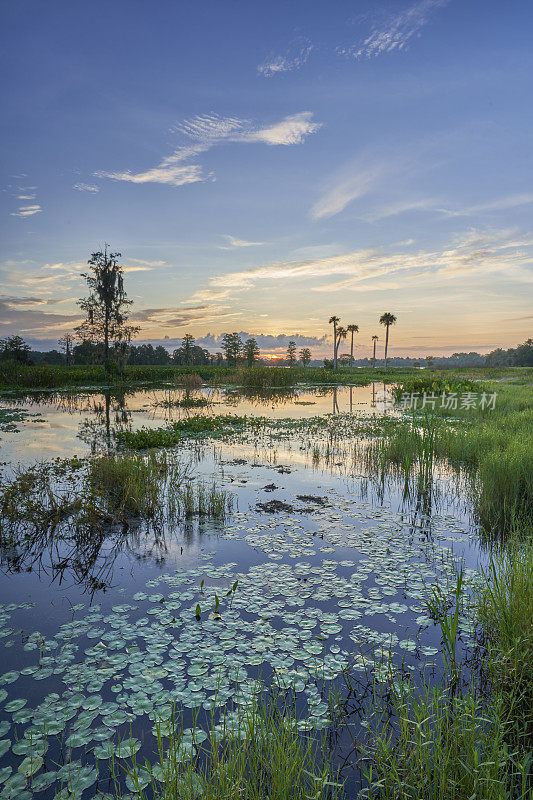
(203, 501)
(197, 426)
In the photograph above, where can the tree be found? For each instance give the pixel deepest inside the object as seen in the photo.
(374, 339)
(232, 346)
(14, 348)
(334, 320)
(342, 333)
(66, 343)
(251, 351)
(189, 356)
(352, 329)
(305, 356)
(291, 354)
(106, 307)
(387, 320)
(187, 344)
(523, 354)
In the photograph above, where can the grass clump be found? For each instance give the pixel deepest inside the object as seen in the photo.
(203, 501)
(197, 426)
(263, 377)
(134, 485)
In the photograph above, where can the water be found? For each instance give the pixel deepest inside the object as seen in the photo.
(102, 639)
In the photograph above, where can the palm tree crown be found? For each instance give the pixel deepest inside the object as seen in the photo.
(387, 319)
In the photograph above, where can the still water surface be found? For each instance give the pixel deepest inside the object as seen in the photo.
(96, 645)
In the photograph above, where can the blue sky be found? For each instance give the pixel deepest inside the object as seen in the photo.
(262, 166)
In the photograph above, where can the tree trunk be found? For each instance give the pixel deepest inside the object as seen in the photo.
(334, 345)
(386, 345)
(374, 359)
(351, 352)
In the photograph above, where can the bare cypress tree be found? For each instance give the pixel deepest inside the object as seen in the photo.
(106, 307)
(65, 343)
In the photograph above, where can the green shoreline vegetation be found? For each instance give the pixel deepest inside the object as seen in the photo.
(14, 375)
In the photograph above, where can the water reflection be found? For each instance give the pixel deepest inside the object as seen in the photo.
(108, 415)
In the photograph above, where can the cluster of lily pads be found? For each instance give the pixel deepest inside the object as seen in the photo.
(199, 639)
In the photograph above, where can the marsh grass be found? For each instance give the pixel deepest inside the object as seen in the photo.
(265, 757)
(204, 501)
(505, 608)
(435, 744)
(493, 447)
(263, 377)
(134, 485)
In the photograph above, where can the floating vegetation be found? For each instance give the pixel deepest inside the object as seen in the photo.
(183, 400)
(197, 640)
(10, 417)
(196, 426)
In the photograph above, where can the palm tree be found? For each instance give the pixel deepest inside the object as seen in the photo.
(341, 334)
(353, 329)
(334, 320)
(374, 339)
(387, 320)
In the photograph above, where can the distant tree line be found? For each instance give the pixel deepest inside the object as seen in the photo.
(190, 354)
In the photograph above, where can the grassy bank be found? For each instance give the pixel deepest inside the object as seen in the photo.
(493, 445)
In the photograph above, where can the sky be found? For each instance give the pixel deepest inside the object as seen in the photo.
(262, 166)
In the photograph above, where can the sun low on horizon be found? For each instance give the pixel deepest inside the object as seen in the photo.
(263, 167)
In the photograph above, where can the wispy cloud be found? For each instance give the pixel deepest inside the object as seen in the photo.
(178, 316)
(13, 302)
(27, 211)
(499, 204)
(208, 130)
(371, 269)
(395, 32)
(295, 55)
(233, 243)
(372, 167)
(86, 187)
(343, 191)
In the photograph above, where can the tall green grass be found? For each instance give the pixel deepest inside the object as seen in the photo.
(265, 758)
(505, 607)
(134, 485)
(263, 377)
(493, 446)
(203, 501)
(434, 744)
